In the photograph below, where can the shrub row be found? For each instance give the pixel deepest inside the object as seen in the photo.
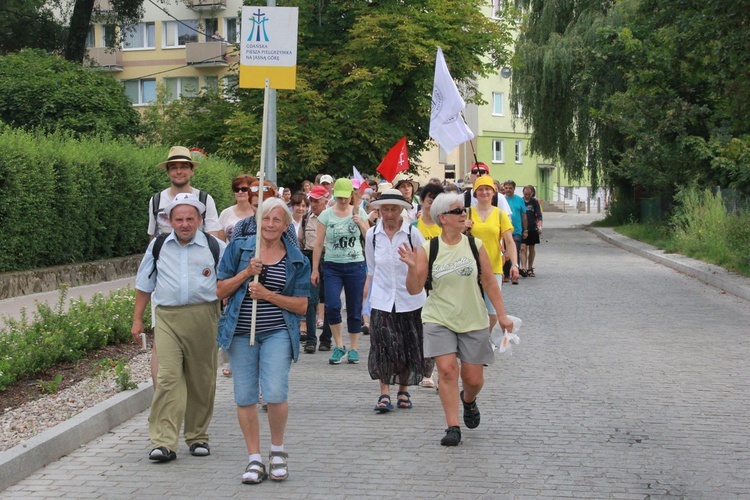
(54, 335)
(65, 200)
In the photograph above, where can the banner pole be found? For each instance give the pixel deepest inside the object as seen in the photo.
(259, 212)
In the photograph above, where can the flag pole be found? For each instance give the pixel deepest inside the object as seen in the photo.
(259, 212)
(471, 141)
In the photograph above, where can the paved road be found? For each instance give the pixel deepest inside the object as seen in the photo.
(631, 381)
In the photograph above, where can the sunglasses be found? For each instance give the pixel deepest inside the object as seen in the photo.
(455, 211)
(243, 189)
(254, 189)
(477, 171)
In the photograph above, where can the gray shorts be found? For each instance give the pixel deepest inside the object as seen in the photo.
(471, 347)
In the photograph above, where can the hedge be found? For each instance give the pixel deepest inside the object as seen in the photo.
(65, 200)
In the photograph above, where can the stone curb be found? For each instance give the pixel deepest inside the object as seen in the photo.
(23, 460)
(707, 273)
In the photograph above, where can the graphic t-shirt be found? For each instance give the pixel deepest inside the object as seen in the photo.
(455, 300)
(342, 241)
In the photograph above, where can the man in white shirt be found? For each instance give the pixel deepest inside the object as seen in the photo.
(181, 278)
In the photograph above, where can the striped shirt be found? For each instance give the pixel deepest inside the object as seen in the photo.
(270, 316)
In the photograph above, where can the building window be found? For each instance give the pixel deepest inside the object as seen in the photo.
(90, 38)
(212, 26)
(498, 151)
(230, 85)
(519, 111)
(108, 35)
(519, 151)
(141, 91)
(232, 33)
(140, 36)
(211, 83)
(568, 192)
(177, 88)
(180, 33)
(497, 104)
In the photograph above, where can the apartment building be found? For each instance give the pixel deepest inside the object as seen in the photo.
(185, 46)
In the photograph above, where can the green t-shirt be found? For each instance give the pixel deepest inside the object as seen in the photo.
(455, 300)
(342, 237)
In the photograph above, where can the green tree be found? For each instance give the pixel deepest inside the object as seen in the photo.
(46, 92)
(638, 92)
(364, 78)
(29, 24)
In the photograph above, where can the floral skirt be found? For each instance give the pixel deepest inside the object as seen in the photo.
(396, 347)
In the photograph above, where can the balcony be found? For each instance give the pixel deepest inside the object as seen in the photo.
(206, 4)
(102, 59)
(206, 55)
(103, 9)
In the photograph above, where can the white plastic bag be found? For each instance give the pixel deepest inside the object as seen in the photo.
(502, 342)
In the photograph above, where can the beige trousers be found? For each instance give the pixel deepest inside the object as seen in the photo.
(185, 338)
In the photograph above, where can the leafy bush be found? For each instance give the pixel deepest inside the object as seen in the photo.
(55, 336)
(65, 200)
(44, 91)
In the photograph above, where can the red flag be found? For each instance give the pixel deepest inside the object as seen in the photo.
(397, 160)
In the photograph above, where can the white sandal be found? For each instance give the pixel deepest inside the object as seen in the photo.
(281, 466)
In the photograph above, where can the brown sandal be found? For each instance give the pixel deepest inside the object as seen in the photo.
(530, 272)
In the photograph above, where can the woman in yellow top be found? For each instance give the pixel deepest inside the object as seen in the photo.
(427, 227)
(492, 225)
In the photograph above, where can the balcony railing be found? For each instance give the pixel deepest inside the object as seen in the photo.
(206, 54)
(105, 60)
(206, 4)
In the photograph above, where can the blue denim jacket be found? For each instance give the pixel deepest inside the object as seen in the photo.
(236, 258)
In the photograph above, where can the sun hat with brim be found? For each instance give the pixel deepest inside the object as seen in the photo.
(181, 154)
(318, 192)
(484, 180)
(185, 199)
(391, 197)
(401, 178)
(343, 188)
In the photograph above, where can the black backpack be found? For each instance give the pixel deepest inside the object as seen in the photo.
(435, 246)
(213, 245)
(156, 200)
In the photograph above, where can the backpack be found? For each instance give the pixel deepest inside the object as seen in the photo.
(435, 246)
(408, 235)
(156, 201)
(213, 245)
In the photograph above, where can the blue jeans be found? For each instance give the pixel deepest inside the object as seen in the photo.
(269, 361)
(351, 278)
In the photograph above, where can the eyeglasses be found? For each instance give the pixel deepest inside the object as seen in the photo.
(243, 189)
(254, 189)
(478, 171)
(455, 211)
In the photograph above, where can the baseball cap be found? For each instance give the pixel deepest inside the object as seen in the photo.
(343, 188)
(326, 178)
(318, 192)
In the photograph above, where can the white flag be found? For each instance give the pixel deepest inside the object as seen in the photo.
(447, 126)
(356, 175)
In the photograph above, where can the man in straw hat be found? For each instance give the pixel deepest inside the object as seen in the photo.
(181, 280)
(180, 167)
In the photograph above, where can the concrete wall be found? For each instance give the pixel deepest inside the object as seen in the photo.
(18, 283)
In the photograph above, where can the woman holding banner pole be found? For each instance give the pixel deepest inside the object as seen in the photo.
(268, 308)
